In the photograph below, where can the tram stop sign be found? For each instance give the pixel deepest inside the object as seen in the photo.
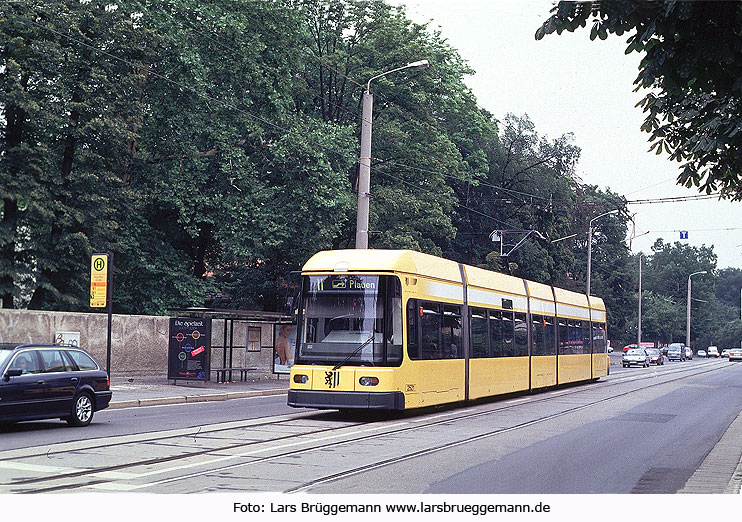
(98, 280)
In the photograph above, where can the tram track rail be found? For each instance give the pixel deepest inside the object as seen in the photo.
(349, 432)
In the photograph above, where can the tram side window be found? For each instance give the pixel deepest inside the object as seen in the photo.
(538, 335)
(575, 336)
(413, 347)
(508, 334)
(451, 333)
(430, 336)
(598, 338)
(563, 332)
(586, 336)
(393, 317)
(478, 324)
(495, 323)
(520, 346)
(549, 336)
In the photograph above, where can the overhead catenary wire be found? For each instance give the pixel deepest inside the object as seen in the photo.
(674, 199)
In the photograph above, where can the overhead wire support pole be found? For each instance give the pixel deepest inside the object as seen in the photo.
(364, 162)
(687, 327)
(590, 244)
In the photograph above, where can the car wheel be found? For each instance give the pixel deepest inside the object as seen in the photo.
(82, 410)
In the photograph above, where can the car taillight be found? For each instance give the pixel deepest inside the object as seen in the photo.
(368, 381)
(301, 379)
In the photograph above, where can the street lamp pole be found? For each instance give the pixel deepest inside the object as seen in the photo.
(687, 324)
(364, 167)
(590, 244)
(639, 316)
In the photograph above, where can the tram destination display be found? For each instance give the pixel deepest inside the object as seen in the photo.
(189, 349)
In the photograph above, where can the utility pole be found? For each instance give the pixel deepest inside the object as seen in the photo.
(687, 327)
(364, 163)
(639, 316)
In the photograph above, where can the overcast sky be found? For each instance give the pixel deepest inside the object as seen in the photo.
(569, 84)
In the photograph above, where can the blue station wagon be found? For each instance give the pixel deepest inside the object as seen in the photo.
(46, 381)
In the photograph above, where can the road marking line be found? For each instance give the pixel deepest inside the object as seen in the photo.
(23, 466)
(134, 476)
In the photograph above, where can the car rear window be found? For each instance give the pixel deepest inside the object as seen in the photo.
(83, 360)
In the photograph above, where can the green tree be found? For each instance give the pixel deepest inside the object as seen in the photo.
(690, 70)
(67, 117)
(665, 278)
(24, 154)
(418, 133)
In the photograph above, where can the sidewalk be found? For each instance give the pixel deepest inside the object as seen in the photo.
(133, 391)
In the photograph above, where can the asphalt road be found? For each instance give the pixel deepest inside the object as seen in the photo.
(116, 422)
(653, 444)
(640, 430)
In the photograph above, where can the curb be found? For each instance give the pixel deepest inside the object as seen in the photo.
(182, 399)
(721, 470)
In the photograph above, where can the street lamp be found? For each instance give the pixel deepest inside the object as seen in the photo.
(364, 167)
(590, 244)
(639, 315)
(687, 326)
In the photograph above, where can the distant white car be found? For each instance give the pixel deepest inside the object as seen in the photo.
(702, 353)
(713, 351)
(735, 354)
(725, 352)
(637, 356)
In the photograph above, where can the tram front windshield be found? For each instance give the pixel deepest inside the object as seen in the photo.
(351, 319)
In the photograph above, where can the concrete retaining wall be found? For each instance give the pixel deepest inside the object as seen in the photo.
(139, 343)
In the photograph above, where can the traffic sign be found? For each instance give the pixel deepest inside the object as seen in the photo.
(683, 234)
(98, 280)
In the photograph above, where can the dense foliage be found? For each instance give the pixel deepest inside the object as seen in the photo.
(213, 148)
(692, 75)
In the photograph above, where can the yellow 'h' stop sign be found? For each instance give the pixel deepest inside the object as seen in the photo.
(98, 280)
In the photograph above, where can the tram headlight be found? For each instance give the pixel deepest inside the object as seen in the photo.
(368, 381)
(301, 379)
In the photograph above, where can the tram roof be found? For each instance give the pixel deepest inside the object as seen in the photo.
(373, 260)
(412, 262)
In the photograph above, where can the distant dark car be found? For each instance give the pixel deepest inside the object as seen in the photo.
(655, 356)
(46, 381)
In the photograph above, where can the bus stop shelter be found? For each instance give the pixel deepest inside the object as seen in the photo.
(228, 368)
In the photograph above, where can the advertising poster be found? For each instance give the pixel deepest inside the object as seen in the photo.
(189, 349)
(283, 348)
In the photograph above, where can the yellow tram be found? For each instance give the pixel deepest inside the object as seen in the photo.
(397, 329)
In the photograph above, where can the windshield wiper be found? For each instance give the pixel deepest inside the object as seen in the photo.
(364, 343)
